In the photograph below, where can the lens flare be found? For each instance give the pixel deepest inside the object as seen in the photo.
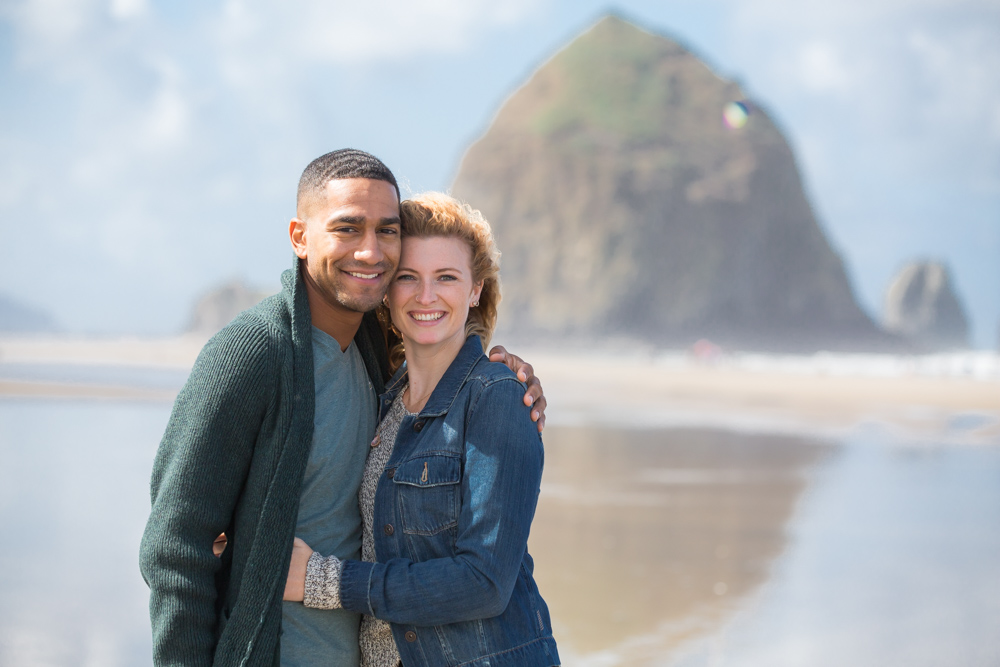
(735, 115)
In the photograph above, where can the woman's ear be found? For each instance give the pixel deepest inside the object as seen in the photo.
(476, 292)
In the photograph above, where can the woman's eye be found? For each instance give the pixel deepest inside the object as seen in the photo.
(404, 277)
(448, 277)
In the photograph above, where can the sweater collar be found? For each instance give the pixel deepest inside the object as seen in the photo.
(297, 301)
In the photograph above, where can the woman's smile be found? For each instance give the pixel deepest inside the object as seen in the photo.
(428, 318)
(430, 295)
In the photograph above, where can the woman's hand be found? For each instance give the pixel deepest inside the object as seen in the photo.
(534, 398)
(295, 587)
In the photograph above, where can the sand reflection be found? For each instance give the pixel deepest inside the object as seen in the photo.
(644, 538)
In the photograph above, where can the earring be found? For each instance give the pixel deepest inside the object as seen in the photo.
(385, 301)
(475, 304)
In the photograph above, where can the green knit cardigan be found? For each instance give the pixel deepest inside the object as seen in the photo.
(232, 460)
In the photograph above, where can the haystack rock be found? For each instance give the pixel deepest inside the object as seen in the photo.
(631, 195)
(921, 304)
(216, 308)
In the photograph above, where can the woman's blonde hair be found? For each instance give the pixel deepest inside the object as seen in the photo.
(436, 214)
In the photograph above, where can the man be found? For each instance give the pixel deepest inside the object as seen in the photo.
(268, 438)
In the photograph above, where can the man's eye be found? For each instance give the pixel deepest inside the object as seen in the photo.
(345, 230)
(391, 231)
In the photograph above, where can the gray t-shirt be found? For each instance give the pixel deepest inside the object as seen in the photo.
(329, 517)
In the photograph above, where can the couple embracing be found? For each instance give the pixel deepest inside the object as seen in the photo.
(373, 473)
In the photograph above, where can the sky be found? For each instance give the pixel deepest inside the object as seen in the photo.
(150, 150)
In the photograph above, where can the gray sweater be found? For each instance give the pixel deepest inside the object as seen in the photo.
(232, 461)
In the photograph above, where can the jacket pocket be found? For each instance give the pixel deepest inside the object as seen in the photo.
(428, 491)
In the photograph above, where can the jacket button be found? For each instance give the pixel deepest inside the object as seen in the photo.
(391, 473)
(389, 530)
(410, 636)
(418, 426)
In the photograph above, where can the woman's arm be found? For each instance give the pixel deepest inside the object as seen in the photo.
(503, 469)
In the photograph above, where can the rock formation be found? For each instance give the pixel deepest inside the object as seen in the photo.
(630, 196)
(921, 305)
(215, 309)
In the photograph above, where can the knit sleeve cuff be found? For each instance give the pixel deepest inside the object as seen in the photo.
(322, 582)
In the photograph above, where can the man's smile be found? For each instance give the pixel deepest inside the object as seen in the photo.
(364, 276)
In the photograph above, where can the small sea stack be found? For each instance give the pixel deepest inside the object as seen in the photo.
(922, 305)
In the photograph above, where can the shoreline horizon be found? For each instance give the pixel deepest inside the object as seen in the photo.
(953, 397)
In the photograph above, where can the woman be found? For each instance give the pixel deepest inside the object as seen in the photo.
(452, 476)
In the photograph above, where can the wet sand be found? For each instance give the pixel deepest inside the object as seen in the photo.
(659, 534)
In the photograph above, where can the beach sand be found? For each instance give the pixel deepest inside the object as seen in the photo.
(643, 392)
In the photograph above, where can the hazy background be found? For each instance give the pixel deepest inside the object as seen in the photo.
(150, 150)
(700, 506)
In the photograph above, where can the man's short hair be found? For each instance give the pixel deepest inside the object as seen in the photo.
(343, 163)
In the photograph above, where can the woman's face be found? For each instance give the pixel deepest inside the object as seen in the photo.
(430, 295)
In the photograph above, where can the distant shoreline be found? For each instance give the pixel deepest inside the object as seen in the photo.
(767, 396)
(954, 399)
(72, 390)
(174, 352)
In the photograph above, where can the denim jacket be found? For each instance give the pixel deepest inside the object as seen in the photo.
(453, 508)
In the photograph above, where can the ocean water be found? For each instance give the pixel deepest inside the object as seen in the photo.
(74, 497)
(652, 547)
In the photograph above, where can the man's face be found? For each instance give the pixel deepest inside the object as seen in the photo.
(348, 237)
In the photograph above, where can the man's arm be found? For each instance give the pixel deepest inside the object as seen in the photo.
(534, 397)
(198, 473)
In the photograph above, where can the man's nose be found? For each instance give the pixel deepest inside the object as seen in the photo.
(369, 251)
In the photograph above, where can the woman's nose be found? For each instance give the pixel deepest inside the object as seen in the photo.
(426, 294)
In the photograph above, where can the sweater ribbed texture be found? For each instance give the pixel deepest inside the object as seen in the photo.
(232, 460)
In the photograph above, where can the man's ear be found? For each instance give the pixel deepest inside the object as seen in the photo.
(297, 235)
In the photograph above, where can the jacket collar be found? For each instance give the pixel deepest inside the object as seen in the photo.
(447, 387)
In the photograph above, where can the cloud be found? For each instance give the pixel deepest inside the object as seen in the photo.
(921, 76)
(821, 68)
(353, 32)
(893, 107)
(124, 10)
(157, 152)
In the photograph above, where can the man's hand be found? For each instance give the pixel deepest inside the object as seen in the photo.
(295, 587)
(220, 544)
(534, 398)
